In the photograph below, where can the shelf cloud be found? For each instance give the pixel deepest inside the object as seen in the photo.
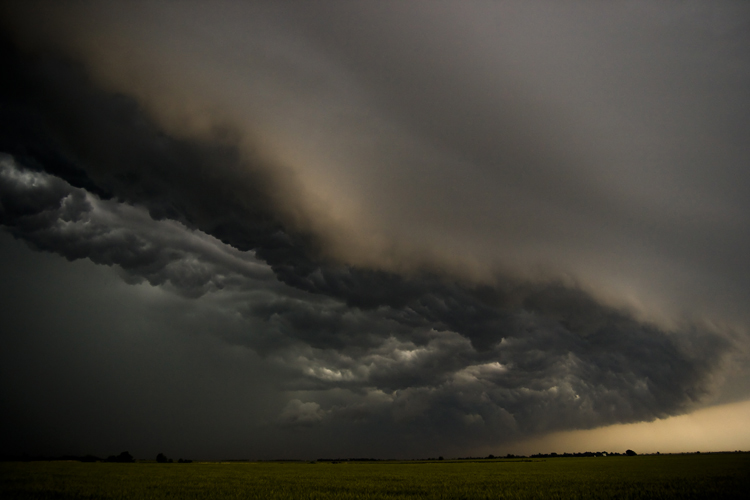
(445, 225)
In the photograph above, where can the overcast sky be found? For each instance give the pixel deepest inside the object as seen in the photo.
(383, 229)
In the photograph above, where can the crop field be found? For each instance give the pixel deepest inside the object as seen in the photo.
(664, 476)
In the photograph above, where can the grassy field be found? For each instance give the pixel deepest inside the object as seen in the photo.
(664, 476)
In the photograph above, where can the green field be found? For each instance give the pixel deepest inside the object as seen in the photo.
(664, 476)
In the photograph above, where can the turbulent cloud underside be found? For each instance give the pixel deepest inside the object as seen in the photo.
(499, 327)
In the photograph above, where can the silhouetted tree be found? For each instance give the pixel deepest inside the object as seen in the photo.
(161, 458)
(630, 453)
(123, 457)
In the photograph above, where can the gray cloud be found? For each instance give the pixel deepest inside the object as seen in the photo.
(297, 413)
(490, 258)
(54, 216)
(439, 354)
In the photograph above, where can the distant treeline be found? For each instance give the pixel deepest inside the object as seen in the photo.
(123, 457)
(126, 457)
(488, 457)
(337, 460)
(629, 453)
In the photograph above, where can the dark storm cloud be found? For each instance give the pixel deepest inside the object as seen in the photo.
(54, 216)
(541, 372)
(68, 120)
(525, 353)
(404, 342)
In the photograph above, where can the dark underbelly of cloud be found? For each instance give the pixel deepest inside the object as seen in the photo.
(393, 345)
(419, 354)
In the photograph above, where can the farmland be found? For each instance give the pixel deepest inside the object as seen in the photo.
(725, 475)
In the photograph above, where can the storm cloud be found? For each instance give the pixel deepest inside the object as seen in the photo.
(418, 350)
(436, 227)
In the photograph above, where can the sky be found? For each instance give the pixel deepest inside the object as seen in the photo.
(374, 229)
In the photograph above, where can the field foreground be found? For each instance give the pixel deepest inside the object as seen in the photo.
(724, 475)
